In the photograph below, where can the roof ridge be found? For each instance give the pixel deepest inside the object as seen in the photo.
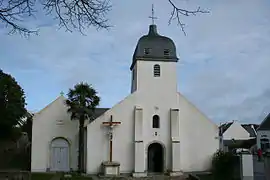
(49, 104)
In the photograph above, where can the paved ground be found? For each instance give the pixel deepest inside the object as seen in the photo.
(259, 171)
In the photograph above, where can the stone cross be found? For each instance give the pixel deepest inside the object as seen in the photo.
(111, 125)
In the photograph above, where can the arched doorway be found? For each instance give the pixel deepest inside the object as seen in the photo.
(155, 158)
(59, 155)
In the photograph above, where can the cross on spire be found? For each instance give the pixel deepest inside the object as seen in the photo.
(153, 17)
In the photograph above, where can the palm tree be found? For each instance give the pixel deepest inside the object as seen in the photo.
(81, 102)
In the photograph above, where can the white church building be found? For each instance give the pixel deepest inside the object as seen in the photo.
(160, 130)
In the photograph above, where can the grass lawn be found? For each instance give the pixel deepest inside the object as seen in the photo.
(54, 176)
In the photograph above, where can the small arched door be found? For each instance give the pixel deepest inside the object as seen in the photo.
(155, 158)
(60, 155)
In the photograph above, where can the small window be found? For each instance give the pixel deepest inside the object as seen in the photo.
(155, 121)
(166, 52)
(156, 70)
(147, 51)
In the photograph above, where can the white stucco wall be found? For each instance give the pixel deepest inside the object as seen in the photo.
(98, 141)
(198, 137)
(155, 95)
(262, 134)
(45, 129)
(235, 131)
(165, 84)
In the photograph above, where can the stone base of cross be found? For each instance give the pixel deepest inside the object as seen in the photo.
(110, 168)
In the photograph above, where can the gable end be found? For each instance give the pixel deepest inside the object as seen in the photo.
(265, 125)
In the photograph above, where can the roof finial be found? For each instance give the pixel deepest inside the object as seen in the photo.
(62, 93)
(153, 17)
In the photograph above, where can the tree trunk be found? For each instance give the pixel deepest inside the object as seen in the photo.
(81, 146)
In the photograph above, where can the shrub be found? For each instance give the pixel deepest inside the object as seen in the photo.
(223, 164)
(42, 176)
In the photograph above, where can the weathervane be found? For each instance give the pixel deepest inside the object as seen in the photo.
(153, 17)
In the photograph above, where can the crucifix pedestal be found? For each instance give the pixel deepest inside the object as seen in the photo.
(110, 168)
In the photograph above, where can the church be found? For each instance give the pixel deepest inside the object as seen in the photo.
(155, 129)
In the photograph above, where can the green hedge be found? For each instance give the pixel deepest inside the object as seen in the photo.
(205, 177)
(42, 176)
(224, 166)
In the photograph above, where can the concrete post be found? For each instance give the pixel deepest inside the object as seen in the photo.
(246, 163)
(267, 167)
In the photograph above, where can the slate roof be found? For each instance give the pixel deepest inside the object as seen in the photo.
(99, 112)
(250, 130)
(265, 125)
(156, 45)
(224, 127)
(248, 127)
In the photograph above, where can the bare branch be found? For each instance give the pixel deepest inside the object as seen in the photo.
(72, 14)
(14, 11)
(79, 14)
(177, 12)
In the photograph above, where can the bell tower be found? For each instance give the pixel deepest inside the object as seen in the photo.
(154, 62)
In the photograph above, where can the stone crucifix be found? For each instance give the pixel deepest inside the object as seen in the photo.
(111, 125)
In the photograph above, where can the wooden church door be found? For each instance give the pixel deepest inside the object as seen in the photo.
(60, 155)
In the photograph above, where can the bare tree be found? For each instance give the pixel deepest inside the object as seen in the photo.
(12, 13)
(177, 12)
(71, 14)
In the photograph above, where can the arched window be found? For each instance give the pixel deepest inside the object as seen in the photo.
(156, 70)
(155, 121)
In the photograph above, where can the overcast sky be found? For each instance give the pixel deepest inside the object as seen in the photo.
(223, 68)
